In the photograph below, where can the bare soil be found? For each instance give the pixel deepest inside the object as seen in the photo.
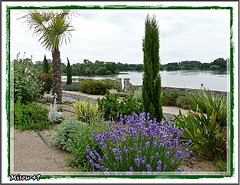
(31, 154)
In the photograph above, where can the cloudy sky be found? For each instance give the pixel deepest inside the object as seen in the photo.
(116, 35)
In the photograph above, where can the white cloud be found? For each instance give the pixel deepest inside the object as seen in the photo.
(116, 35)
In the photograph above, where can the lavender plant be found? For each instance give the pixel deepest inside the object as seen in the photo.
(68, 100)
(137, 144)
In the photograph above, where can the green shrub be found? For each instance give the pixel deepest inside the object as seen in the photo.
(86, 111)
(30, 116)
(73, 136)
(47, 81)
(27, 84)
(184, 101)
(169, 99)
(111, 107)
(96, 86)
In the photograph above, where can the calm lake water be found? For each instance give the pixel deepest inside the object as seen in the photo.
(213, 80)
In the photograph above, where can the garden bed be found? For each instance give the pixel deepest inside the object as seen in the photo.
(32, 154)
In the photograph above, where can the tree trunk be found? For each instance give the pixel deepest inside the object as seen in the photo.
(57, 75)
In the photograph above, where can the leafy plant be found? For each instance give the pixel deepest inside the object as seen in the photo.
(27, 85)
(54, 115)
(48, 97)
(47, 82)
(30, 116)
(73, 135)
(139, 144)
(111, 106)
(207, 103)
(96, 86)
(86, 111)
(207, 131)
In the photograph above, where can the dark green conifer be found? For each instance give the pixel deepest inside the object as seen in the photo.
(45, 65)
(151, 90)
(69, 73)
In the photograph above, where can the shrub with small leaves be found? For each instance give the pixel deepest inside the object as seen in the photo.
(30, 116)
(111, 106)
(73, 135)
(97, 86)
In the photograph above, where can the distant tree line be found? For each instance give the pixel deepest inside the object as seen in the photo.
(109, 68)
(217, 64)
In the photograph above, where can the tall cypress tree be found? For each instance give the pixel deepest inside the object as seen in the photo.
(45, 65)
(69, 73)
(151, 90)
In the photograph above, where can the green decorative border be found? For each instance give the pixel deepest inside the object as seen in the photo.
(117, 7)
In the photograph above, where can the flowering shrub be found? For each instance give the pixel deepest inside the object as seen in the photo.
(71, 87)
(27, 85)
(68, 100)
(54, 115)
(138, 144)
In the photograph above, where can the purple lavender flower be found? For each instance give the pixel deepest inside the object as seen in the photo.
(151, 158)
(143, 161)
(147, 144)
(92, 155)
(148, 167)
(88, 148)
(172, 161)
(87, 157)
(156, 155)
(192, 159)
(159, 163)
(106, 157)
(167, 155)
(131, 169)
(137, 161)
(165, 167)
(91, 162)
(155, 144)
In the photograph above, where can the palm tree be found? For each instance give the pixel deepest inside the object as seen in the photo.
(53, 28)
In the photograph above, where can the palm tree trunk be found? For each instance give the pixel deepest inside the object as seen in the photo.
(57, 75)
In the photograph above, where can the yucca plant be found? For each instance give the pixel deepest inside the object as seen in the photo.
(86, 111)
(206, 130)
(206, 103)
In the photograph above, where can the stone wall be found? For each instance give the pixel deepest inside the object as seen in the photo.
(128, 87)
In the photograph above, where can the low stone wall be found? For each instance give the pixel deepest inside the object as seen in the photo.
(128, 87)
